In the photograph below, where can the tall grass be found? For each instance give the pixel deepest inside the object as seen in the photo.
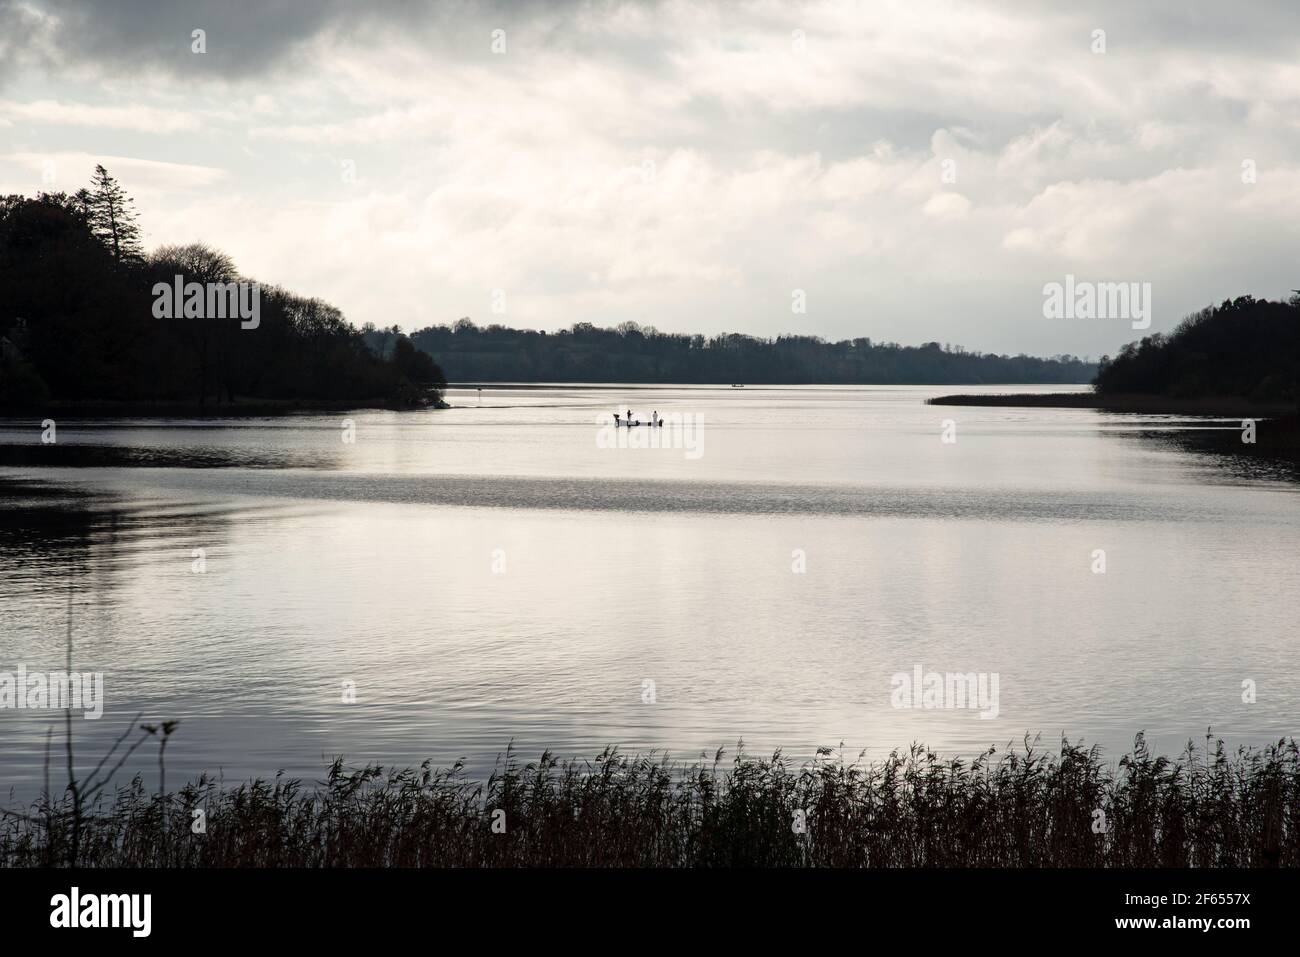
(1018, 807)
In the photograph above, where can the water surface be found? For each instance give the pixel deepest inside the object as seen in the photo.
(489, 574)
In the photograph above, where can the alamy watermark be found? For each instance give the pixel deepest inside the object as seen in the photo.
(1098, 300)
(677, 430)
(934, 689)
(209, 300)
(75, 910)
(24, 690)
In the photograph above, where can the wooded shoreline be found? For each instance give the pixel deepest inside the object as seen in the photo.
(1229, 406)
(240, 408)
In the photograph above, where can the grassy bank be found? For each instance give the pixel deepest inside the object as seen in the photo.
(1022, 807)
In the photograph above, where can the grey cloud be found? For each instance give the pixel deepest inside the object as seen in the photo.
(20, 37)
(1266, 27)
(242, 37)
(251, 37)
(1062, 154)
(246, 38)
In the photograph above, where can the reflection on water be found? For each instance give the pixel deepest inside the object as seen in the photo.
(220, 445)
(1221, 451)
(484, 574)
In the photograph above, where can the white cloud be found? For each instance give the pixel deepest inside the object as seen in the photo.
(137, 118)
(947, 206)
(145, 179)
(920, 168)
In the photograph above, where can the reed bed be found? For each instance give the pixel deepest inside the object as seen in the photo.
(1015, 807)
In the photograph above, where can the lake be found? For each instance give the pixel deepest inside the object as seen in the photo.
(510, 570)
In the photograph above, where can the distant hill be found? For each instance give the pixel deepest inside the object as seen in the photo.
(1245, 347)
(630, 353)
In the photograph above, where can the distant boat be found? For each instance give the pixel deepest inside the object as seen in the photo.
(735, 386)
(629, 425)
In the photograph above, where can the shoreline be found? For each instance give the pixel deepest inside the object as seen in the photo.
(1278, 442)
(728, 386)
(912, 809)
(1227, 407)
(251, 408)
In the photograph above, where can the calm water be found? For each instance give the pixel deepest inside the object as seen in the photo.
(488, 573)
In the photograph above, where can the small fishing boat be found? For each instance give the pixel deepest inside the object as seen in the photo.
(634, 424)
(737, 386)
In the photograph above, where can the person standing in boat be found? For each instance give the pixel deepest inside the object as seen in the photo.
(629, 416)
(654, 419)
(616, 420)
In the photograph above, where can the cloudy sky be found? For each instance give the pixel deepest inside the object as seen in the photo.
(918, 169)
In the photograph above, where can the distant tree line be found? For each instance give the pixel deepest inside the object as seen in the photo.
(632, 353)
(1245, 347)
(77, 320)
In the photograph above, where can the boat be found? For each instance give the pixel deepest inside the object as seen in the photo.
(735, 386)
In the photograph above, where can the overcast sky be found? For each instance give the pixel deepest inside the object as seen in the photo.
(688, 165)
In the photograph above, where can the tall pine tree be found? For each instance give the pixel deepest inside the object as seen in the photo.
(113, 217)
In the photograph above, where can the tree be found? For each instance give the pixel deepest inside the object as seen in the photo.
(79, 323)
(79, 311)
(211, 343)
(113, 217)
(1244, 347)
(196, 262)
(417, 366)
